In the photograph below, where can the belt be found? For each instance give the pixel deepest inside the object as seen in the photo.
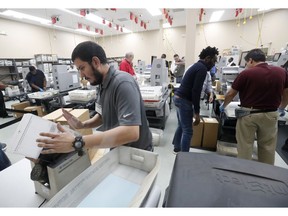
(263, 111)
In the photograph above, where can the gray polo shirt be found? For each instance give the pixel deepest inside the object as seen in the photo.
(122, 105)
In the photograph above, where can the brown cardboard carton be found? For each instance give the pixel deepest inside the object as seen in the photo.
(220, 97)
(55, 115)
(40, 110)
(19, 106)
(82, 115)
(210, 133)
(196, 140)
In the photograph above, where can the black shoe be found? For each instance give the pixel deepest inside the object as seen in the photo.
(176, 150)
(3, 146)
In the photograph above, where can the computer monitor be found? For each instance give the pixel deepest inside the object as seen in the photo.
(242, 62)
(276, 57)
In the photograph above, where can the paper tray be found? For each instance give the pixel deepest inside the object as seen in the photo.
(121, 178)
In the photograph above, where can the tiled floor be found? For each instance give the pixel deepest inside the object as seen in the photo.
(164, 149)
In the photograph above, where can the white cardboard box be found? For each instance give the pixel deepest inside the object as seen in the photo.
(82, 95)
(23, 141)
(24, 138)
(121, 178)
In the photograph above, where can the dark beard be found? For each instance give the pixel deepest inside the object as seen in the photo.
(209, 66)
(97, 75)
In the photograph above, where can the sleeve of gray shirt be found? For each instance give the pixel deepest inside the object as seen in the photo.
(128, 104)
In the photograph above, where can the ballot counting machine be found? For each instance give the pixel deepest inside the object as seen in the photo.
(54, 171)
(64, 79)
(152, 95)
(159, 73)
(280, 60)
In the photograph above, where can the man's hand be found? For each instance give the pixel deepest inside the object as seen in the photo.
(197, 119)
(56, 142)
(73, 122)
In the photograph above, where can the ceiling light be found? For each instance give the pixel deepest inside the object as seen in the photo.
(125, 30)
(94, 18)
(216, 16)
(86, 32)
(263, 9)
(19, 15)
(70, 12)
(154, 11)
(3, 33)
(166, 25)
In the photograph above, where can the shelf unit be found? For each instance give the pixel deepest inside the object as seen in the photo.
(7, 70)
(44, 62)
(64, 61)
(16, 69)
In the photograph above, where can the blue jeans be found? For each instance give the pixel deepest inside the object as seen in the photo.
(184, 131)
(4, 161)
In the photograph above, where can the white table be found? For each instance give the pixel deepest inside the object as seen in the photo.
(16, 187)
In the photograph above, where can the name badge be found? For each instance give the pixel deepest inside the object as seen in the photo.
(98, 108)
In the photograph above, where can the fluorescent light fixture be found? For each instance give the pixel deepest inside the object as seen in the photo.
(3, 33)
(216, 15)
(125, 30)
(69, 11)
(166, 25)
(94, 18)
(19, 15)
(263, 9)
(86, 32)
(154, 11)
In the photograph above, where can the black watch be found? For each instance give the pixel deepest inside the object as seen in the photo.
(78, 144)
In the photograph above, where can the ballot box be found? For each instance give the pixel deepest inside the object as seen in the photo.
(208, 180)
(123, 177)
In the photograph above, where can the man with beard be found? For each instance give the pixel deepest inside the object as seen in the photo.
(121, 114)
(187, 98)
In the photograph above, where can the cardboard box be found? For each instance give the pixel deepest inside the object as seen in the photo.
(19, 106)
(210, 133)
(55, 115)
(220, 97)
(40, 110)
(196, 140)
(23, 141)
(121, 178)
(82, 115)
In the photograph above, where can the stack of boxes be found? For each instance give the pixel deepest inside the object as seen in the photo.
(205, 134)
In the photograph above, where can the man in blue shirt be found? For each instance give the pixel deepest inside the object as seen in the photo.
(187, 98)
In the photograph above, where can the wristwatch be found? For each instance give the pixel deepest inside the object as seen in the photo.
(78, 144)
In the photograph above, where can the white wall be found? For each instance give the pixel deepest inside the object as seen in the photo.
(25, 40)
(226, 34)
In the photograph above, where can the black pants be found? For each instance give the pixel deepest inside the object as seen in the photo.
(4, 161)
(3, 112)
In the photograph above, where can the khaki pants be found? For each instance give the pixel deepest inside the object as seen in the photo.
(265, 126)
